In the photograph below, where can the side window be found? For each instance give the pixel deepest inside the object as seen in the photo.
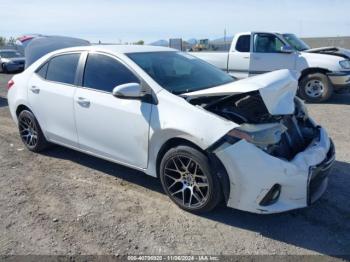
(104, 73)
(62, 68)
(243, 44)
(42, 70)
(267, 43)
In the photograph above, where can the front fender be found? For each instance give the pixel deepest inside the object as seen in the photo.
(174, 117)
(312, 60)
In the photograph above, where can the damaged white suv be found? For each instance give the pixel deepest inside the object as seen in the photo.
(209, 138)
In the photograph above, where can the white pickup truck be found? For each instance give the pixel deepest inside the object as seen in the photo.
(322, 70)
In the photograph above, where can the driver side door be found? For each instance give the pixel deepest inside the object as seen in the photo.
(267, 55)
(113, 128)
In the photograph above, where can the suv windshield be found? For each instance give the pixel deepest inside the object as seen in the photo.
(180, 72)
(295, 42)
(10, 54)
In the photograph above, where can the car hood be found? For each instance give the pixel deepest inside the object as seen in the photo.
(277, 90)
(330, 50)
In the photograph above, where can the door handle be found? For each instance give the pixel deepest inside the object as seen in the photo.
(83, 102)
(246, 57)
(35, 89)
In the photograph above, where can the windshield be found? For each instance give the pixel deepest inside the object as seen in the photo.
(295, 42)
(180, 72)
(10, 54)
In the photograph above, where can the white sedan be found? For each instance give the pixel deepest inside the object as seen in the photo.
(209, 138)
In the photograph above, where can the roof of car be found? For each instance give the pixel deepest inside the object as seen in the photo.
(134, 48)
(120, 48)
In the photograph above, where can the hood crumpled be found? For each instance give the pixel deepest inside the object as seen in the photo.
(277, 89)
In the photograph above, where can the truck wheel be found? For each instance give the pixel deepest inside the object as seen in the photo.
(188, 181)
(315, 87)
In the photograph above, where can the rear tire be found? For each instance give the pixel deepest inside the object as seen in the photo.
(4, 69)
(315, 88)
(30, 132)
(188, 181)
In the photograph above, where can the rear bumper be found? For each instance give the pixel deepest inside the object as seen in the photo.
(253, 173)
(340, 79)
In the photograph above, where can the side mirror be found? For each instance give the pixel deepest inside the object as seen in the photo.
(128, 91)
(287, 49)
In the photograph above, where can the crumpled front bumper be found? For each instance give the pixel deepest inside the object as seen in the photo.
(252, 174)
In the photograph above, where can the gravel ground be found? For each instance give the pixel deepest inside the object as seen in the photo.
(65, 202)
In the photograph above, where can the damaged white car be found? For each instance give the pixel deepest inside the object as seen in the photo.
(209, 138)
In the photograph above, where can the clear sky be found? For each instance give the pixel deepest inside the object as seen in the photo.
(132, 20)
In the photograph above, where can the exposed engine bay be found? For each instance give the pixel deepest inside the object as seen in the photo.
(282, 136)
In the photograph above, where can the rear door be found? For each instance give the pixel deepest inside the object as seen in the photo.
(114, 128)
(51, 92)
(267, 55)
(239, 57)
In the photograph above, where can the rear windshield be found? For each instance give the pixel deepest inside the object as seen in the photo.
(180, 72)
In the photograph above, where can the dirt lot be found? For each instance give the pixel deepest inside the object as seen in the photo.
(65, 202)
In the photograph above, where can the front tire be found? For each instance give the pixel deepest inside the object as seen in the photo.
(30, 132)
(315, 88)
(188, 181)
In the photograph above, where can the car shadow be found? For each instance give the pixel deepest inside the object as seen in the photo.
(322, 227)
(338, 99)
(107, 167)
(3, 102)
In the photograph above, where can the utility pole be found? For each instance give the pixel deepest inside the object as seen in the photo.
(225, 38)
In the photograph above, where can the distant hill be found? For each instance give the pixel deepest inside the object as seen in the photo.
(221, 39)
(192, 41)
(161, 42)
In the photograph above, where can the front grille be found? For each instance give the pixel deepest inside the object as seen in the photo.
(318, 176)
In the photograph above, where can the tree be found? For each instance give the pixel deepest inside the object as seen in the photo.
(2, 41)
(11, 40)
(140, 42)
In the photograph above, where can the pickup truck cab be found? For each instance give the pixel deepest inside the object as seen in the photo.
(322, 70)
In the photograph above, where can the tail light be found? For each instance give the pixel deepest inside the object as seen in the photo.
(10, 84)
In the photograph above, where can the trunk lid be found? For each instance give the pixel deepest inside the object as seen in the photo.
(42, 45)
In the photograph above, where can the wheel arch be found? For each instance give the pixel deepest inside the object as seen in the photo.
(171, 143)
(214, 162)
(22, 107)
(312, 70)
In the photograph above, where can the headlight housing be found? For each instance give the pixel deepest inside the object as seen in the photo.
(345, 64)
(261, 135)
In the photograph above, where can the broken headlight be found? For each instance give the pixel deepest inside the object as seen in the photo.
(261, 135)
